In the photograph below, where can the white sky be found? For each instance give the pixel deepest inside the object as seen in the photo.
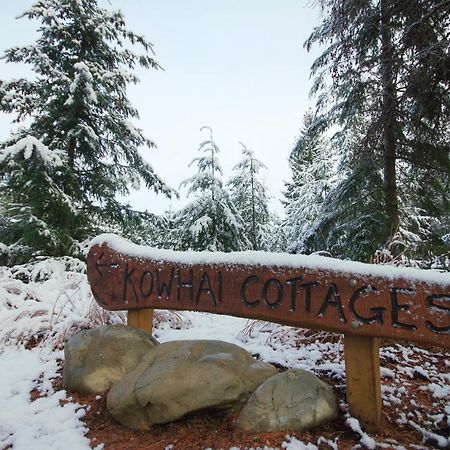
(238, 66)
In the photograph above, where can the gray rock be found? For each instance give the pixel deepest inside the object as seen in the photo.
(181, 377)
(95, 359)
(294, 400)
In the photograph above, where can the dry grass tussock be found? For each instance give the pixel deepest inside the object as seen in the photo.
(49, 300)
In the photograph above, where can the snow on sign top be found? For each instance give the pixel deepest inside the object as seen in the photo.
(307, 291)
(258, 258)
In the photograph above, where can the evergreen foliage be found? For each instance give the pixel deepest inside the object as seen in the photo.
(249, 196)
(38, 212)
(278, 240)
(351, 221)
(159, 231)
(312, 178)
(62, 172)
(211, 221)
(386, 73)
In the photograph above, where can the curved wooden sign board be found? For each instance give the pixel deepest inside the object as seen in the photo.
(364, 302)
(307, 297)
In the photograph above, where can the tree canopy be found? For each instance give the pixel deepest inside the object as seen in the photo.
(78, 148)
(210, 221)
(250, 198)
(384, 76)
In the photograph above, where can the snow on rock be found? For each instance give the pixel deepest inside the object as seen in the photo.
(50, 421)
(258, 258)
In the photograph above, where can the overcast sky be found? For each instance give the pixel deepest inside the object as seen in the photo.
(238, 66)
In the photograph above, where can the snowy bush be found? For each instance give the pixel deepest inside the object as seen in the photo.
(48, 301)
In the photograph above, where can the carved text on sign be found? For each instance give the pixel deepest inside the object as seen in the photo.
(300, 296)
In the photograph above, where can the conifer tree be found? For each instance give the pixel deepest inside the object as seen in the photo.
(351, 222)
(277, 241)
(39, 213)
(160, 231)
(386, 66)
(249, 196)
(61, 173)
(211, 221)
(310, 162)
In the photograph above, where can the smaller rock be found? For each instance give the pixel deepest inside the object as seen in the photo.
(294, 400)
(96, 359)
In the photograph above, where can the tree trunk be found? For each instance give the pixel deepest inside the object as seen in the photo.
(253, 207)
(389, 114)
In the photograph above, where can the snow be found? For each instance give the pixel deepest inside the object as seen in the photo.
(135, 132)
(200, 224)
(50, 421)
(84, 79)
(438, 390)
(51, 300)
(82, 67)
(29, 145)
(258, 258)
(366, 440)
(48, 300)
(441, 441)
(293, 443)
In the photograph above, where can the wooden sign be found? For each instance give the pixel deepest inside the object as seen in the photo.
(365, 302)
(358, 303)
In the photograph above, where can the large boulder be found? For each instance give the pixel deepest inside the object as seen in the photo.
(96, 359)
(294, 400)
(182, 377)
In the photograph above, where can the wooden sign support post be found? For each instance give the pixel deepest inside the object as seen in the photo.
(363, 381)
(364, 302)
(141, 318)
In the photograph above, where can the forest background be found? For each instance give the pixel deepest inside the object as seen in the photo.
(368, 177)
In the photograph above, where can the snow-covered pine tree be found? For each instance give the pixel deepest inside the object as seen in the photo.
(351, 222)
(278, 240)
(425, 208)
(38, 213)
(159, 231)
(211, 221)
(312, 178)
(386, 64)
(61, 173)
(250, 198)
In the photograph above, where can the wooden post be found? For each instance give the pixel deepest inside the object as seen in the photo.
(362, 368)
(141, 318)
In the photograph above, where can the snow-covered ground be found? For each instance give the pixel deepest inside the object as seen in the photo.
(43, 304)
(48, 422)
